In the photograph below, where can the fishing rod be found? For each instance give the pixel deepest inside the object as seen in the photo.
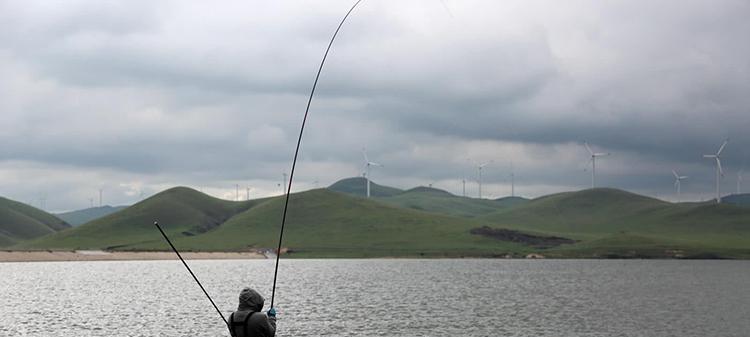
(156, 223)
(296, 151)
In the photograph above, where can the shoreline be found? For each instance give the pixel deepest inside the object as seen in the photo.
(102, 255)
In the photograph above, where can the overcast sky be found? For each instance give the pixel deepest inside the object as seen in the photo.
(137, 96)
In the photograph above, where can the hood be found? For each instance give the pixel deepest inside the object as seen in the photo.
(250, 300)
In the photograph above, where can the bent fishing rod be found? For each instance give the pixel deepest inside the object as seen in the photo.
(291, 178)
(296, 151)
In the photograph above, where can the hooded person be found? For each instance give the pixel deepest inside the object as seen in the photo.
(248, 320)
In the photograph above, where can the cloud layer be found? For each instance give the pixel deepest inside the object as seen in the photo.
(137, 96)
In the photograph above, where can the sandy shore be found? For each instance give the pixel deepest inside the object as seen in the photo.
(98, 255)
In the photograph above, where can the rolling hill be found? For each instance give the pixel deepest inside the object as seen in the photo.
(325, 223)
(82, 216)
(358, 186)
(426, 199)
(438, 201)
(19, 222)
(181, 211)
(609, 221)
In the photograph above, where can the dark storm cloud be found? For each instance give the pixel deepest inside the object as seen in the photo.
(141, 95)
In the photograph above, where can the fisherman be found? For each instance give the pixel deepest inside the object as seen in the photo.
(248, 320)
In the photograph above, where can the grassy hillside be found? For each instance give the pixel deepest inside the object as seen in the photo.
(326, 223)
(19, 221)
(82, 216)
(181, 212)
(608, 220)
(358, 186)
(439, 201)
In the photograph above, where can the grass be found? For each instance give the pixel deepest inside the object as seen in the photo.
(20, 222)
(324, 223)
(439, 201)
(358, 186)
(180, 211)
(614, 221)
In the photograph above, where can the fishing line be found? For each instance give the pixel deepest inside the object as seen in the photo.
(191, 272)
(296, 151)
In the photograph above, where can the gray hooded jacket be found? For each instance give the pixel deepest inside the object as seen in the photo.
(248, 321)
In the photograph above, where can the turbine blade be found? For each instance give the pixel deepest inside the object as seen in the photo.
(684, 177)
(722, 147)
(364, 154)
(709, 156)
(586, 144)
(675, 174)
(718, 163)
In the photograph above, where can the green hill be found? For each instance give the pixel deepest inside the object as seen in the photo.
(613, 221)
(326, 223)
(511, 201)
(438, 201)
(19, 222)
(181, 211)
(82, 216)
(358, 186)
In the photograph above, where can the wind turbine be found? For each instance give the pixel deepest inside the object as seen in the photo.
(593, 162)
(512, 181)
(719, 171)
(368, 164)
(479, 168)
(739, 182)
(678, 178)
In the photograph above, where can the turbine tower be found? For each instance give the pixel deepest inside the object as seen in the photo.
(368, 164)
(739, 182)
(593, 162)
(512, 181)
(678, 178)
(719, 170)
(479, 169)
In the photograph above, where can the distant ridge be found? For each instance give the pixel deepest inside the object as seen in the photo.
(181, 211)
(737, 199)
(435, 200)
(19, 221)
(82, 216)
(511, 201)
(424, 189)
(358, 186)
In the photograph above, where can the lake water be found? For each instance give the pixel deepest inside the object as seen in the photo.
(383, 297)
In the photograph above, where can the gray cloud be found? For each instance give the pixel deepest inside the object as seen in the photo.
(143, 95)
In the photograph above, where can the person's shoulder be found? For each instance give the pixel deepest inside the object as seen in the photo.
(258, 317)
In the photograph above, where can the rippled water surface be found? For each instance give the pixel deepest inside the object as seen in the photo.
(383, 297)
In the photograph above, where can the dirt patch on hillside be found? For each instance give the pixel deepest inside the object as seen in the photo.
(536, 241)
